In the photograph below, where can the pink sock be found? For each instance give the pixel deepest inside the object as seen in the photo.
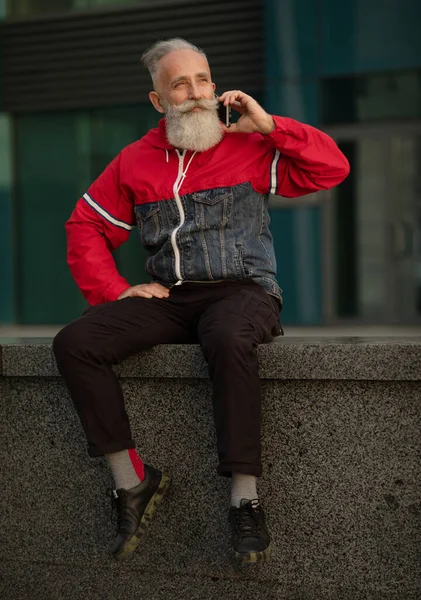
(137, 463)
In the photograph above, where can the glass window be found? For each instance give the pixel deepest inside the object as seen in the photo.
(377, 229)
(370, 98)
(7, 303)
(58, 155)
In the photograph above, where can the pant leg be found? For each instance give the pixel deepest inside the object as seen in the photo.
(105, 335)
(229, 331)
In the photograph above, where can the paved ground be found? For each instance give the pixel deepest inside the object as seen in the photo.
(36, 331)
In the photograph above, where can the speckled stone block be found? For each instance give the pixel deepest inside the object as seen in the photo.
(84, 582)
(388, 359)
(341, 489)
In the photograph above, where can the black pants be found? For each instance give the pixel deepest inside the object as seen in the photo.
(227, 319)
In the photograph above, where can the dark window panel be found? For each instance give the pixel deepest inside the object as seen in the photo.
(371, 98)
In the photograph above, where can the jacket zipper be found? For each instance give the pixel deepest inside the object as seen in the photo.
(176, 188)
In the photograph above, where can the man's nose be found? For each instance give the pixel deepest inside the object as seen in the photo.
(194, 92)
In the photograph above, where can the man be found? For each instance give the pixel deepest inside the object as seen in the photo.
(198, 192)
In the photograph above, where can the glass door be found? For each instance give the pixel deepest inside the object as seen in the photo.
(372, 228)
(405, 209)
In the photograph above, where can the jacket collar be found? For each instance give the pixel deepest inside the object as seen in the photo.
(157, 137)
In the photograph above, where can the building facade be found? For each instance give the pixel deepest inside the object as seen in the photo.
(73, 93)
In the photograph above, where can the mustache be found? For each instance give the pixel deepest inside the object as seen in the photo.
(188, 105)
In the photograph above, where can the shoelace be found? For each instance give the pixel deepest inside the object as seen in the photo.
(117, 505)
(246, 523)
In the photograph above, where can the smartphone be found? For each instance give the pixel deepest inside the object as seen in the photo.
(224, 113)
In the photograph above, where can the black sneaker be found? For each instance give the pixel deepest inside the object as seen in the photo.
(135, 508)
(250, 538)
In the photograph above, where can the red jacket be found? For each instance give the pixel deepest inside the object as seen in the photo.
(295, 159)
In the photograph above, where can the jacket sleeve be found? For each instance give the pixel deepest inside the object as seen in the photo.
(299, 159)
(100, 223)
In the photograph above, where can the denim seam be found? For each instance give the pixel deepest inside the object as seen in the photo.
(206, 255)
(262, 222)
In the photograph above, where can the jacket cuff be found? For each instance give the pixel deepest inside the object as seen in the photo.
(281, 124)
(114, 290)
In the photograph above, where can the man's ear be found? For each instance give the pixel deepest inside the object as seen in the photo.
(213, 86)
(154, 98)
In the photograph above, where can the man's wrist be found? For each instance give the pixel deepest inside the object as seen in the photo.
(270, 127)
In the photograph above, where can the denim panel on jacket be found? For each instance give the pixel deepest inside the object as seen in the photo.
(225, 235)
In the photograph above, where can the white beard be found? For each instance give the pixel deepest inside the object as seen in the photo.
(197, 131)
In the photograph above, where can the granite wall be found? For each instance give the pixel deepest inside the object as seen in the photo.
(341, 485)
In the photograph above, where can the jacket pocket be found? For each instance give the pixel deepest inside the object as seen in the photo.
(149, 223)
(212, 208)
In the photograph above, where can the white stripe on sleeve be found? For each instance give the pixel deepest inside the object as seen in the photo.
(106, 215)
(274, 172)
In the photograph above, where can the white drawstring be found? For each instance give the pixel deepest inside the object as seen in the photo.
(183, 175)
(166, 154)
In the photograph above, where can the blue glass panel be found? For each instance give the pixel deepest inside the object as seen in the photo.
(7, 296)
(49, 164)
(296, 100)
(367, 35)
(291, 38)
(297, 240)
(283, 235)
(58, 155)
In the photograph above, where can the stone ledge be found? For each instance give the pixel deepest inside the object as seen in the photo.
(387, 359)
(340, 488)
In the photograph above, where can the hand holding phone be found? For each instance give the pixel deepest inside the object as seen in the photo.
(253, 116)
(224, 113)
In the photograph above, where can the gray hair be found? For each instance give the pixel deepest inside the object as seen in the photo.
(153, 55)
